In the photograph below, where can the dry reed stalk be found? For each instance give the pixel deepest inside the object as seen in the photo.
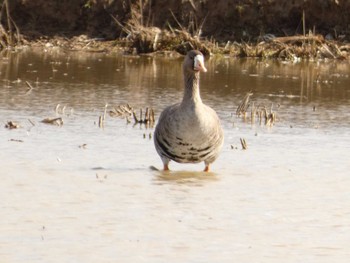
(7, 37)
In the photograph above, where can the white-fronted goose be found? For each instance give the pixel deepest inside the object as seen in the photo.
(190, 131)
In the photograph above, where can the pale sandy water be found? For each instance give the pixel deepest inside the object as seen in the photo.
(284, 199)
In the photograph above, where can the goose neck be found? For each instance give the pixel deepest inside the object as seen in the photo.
(191, 93)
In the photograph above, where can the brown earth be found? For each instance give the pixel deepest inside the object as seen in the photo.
(217, 21)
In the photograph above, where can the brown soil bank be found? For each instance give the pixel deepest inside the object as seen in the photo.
(214, 20)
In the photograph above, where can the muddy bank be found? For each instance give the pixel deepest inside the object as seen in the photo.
(145, 26)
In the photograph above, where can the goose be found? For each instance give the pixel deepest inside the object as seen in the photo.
(189, 131)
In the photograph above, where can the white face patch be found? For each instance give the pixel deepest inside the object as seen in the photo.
(199, 63)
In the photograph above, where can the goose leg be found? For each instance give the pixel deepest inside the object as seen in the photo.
(165, 163)
(207, 167)
(166, 167)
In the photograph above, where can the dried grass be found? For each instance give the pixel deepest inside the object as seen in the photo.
(9, 33)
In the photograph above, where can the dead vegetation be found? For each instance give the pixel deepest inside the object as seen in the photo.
(293, 48)
(53, 121)
(9, 31)
(11, 125)
(122, 111)
(145, 38)
(260, 113)
(147, 119)
(137, 26)
(244, 144)
(126, 111)
(139, 34)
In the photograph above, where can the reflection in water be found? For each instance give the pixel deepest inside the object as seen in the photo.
(287, 194)
(77, 79)
(184, 177)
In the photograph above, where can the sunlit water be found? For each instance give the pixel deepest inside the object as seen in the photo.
(81, 193)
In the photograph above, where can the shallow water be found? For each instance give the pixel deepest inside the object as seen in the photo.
(284, 199)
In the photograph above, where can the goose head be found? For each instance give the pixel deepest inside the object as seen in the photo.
(194, 62)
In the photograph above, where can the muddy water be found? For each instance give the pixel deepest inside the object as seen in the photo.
(80, 193)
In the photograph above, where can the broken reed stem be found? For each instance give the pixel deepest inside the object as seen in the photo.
(102, 118)
(244, 144)
(8, 20)
(152, 116)
(100, 121)
(30, 86)
(105, 112)
(147, 115)
(135, 117)
(253, 113)
(304, 30)
(147, 118)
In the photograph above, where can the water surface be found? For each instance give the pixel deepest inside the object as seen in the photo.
(81, 193)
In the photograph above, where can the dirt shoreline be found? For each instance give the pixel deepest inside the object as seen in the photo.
(268, 28)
